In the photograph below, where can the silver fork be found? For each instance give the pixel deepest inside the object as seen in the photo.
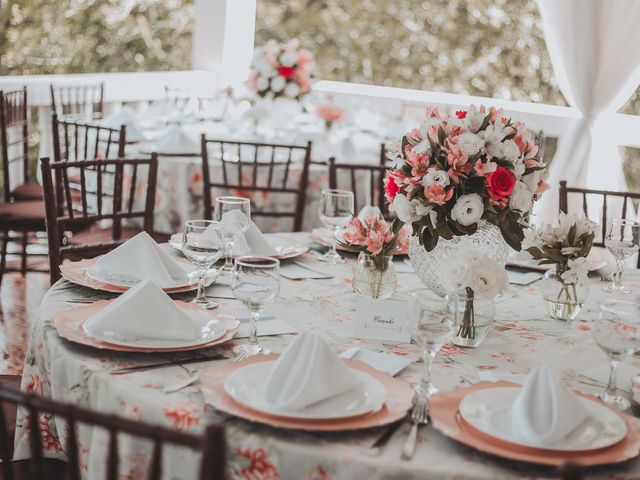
(419, 416)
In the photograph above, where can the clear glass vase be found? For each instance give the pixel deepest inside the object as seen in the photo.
(472, 316)
(429, 266)
(374, 276)
(563, 300)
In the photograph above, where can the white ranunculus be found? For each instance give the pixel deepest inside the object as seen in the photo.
(434, 175)
(262, 83)
(521, 198)
(510, 150)
(278, 83)
(406, 209)
(487, 278)
(470, 143)
(288, 59)
(468, 209)
(292, 90)
(423, 147)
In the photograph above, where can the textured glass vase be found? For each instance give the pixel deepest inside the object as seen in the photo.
(374, 276)
(429, 266)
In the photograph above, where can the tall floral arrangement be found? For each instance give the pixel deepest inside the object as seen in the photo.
(455, 170)
(281, 70)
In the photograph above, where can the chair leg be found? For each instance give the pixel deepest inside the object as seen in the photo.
(23, 265)
(3, 254)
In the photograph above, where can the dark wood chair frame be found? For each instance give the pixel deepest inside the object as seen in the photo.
(376, 181)
(68, 134)
(627, 197)
(299, 192)
(64, 212)
(75, 98)
(212, 443)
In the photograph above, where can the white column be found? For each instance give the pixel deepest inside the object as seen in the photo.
(223, 35)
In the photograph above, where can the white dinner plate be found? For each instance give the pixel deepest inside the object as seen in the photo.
(488, 410)
(284, 247)
(211, 329)
(191, 271)
(246, 386)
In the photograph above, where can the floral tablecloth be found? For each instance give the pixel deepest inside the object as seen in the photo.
(522, 338)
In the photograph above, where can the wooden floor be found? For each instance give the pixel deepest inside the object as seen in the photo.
(19, 308)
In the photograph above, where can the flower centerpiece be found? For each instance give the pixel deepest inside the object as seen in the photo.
(473, 282)
(281, 70)
(474, 172)
(330, 114)
(376, 241)
(565, 245)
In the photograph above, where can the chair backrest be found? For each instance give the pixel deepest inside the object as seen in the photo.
(79, 102)
(14, 139)
(365, 181)
(86, 141)
(248, 169)
(212, 443)
(83, 192)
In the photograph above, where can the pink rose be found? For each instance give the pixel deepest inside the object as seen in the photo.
(437, 194)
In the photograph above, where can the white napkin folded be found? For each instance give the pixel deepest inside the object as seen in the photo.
(546, 410)
(177, 140)
(253, 242)
(144, 311)
(141, 258)
(307, 372)
(127, 117)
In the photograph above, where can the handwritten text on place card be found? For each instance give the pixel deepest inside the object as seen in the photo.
(381, 320)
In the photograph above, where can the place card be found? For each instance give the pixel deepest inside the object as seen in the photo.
(522, 278)
(377, 319)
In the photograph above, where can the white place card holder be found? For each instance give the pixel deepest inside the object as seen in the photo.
(377, 319)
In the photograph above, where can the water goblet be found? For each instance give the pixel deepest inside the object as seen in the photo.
(235, 215)
(431, 329)
(622, 240)
(617, 333)
(256, 283)
(202, 244)
(336, 210)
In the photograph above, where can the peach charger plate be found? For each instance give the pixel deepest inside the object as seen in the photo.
(443, 409)
(69, 324)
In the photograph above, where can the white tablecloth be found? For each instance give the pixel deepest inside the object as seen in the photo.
(522, 338)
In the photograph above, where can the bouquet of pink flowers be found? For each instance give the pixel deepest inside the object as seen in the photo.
(453, 171)
(281, 70)
(374, 236)
(330, 114)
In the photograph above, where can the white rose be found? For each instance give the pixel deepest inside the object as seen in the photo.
(423, 147)
(405, 209)
(278, 83)
(457, 273)
(292, 90)
(288, 59)
(440, 177)
(510, 150)
(486, 278)
(470, 143)
(468, 209)
(262, 83)
(521, 198)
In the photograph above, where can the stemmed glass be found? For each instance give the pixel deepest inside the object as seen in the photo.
(430, 329)
(617, 333)
(256, 283)
(235, 215)
(622, 240)
(336, 209)
(202, 244)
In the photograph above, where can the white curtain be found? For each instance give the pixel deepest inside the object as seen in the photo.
(594, 46)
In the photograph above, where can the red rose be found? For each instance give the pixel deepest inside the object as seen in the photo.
(461, 114)
(286, 72)
(500, 183)
(391, 188)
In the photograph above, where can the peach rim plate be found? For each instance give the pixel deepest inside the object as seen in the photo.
(78, 273)
(69, 324)
(444, 411)
(396, 405)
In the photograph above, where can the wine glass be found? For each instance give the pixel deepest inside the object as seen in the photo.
(203, 244)
(431, 329)
(336, 210)
(617, 333)
(235, 215)
(622, 240)
(256, 283)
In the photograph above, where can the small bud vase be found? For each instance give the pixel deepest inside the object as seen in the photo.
(563, 300)
(472, 316)
(374, 276)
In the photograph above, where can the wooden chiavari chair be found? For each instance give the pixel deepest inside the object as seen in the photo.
(267, 168)
(80, 102)
(102, 198)
(211, 444)
(357, 176)
(78, 140)
(627, 200)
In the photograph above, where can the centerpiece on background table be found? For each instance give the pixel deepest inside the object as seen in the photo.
(565, 245)
(473, 281)
(280, 76)
(330, 113)
(464, 182)
(375, 241)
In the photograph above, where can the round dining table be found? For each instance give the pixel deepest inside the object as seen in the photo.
(522, 337)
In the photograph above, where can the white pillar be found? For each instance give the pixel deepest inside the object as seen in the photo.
(223, 35)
